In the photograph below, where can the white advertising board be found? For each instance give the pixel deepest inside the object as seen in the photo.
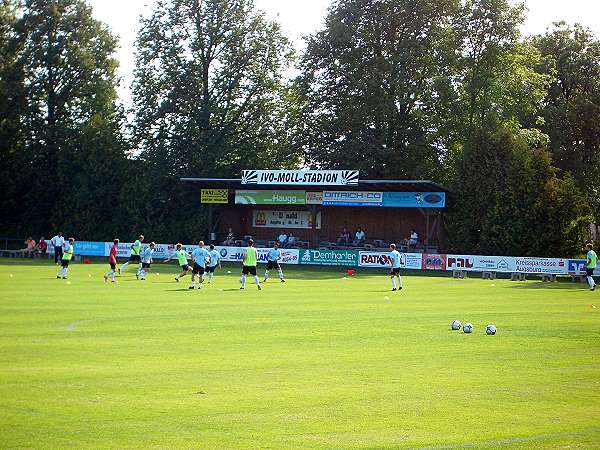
(383, 260)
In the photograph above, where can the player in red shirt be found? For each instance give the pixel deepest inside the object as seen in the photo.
(112, 260)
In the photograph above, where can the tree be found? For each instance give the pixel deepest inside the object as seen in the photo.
(367, 86)
(68, 92)
(208, 98)
(572, 106)
(11, 109)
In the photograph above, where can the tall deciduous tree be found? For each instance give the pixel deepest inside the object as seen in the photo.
(208, 98)
(572, 106)
(367, 86)
(72, 151)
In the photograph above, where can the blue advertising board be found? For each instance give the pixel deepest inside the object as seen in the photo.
(414, 199)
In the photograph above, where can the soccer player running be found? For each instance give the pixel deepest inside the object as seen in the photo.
(136, 248)
(147, 254)
(181, 256)
(395, 272)
(215, 260)
(273, 262)
(590, 266)
(66, 257)
(249, 265)
(200, 256)
(112, 260)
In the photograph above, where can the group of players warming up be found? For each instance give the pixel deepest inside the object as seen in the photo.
(205, 262)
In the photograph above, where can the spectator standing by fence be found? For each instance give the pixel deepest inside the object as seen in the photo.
(58, 243)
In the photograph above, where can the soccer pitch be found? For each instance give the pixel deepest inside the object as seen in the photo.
(318, 362)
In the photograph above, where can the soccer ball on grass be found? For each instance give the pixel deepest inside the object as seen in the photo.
(490, 329)
(468, 328)
(456, 325)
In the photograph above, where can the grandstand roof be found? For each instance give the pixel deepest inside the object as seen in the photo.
(363, 185)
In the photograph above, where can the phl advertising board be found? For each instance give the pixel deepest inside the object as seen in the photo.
(473, 263)
(345, 258)
(384, 261)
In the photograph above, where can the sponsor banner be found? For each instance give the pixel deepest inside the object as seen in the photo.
(379, 259)
(86, 248)
(236, 254)
(301, 177)
(352, 198)
(214, 196)
(577, 267)
(433, 261)
(329, 257)
(314, 198)
(284, 219)
(270, 197)
(541, 265)
(414, 199)
(474, 263)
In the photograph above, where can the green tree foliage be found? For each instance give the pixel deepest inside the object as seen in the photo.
(572, 106)
(70, 155)
(367, 86)
(208, 99)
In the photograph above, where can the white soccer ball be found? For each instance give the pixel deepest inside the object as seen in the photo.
(456, 325)
(468, 328)
(490, 329)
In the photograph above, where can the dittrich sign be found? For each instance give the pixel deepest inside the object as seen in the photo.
(301, 177)
(352, 198)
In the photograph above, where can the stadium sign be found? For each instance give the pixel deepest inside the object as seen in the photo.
(270, 197)
(329, 257)
(301, 177)
(214, 196)
(352, 198)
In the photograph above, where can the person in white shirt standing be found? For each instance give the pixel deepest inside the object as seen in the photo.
(395, 272)
(58, 243)
(273, 262)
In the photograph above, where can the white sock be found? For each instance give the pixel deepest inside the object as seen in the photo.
(139, 268)
(210, 275)
(399, 281)
(124, 266)
(393, 283)
(280, 274)
(177, 277)
(142, 273)
(193, 284)
(590, 281)
(266, 274)
(257, 280)
(243, 281)
(110, 272)
(66, 270)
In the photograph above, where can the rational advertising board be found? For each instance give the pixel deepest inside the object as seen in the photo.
(383, 260)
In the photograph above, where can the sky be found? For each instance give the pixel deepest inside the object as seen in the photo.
(301, 18)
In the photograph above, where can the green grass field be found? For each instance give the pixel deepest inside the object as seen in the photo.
(318, 362)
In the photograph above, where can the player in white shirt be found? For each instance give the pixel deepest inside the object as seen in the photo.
(395, 272)
(58, 242)
(200, 256)
(147, 254)
(273, 262)
(215, 260)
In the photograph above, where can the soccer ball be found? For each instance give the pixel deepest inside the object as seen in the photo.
(490, 329)
(468, 328)
(456, 325)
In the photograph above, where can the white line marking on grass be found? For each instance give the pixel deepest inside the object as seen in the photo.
(72, 326)
(494, 443)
